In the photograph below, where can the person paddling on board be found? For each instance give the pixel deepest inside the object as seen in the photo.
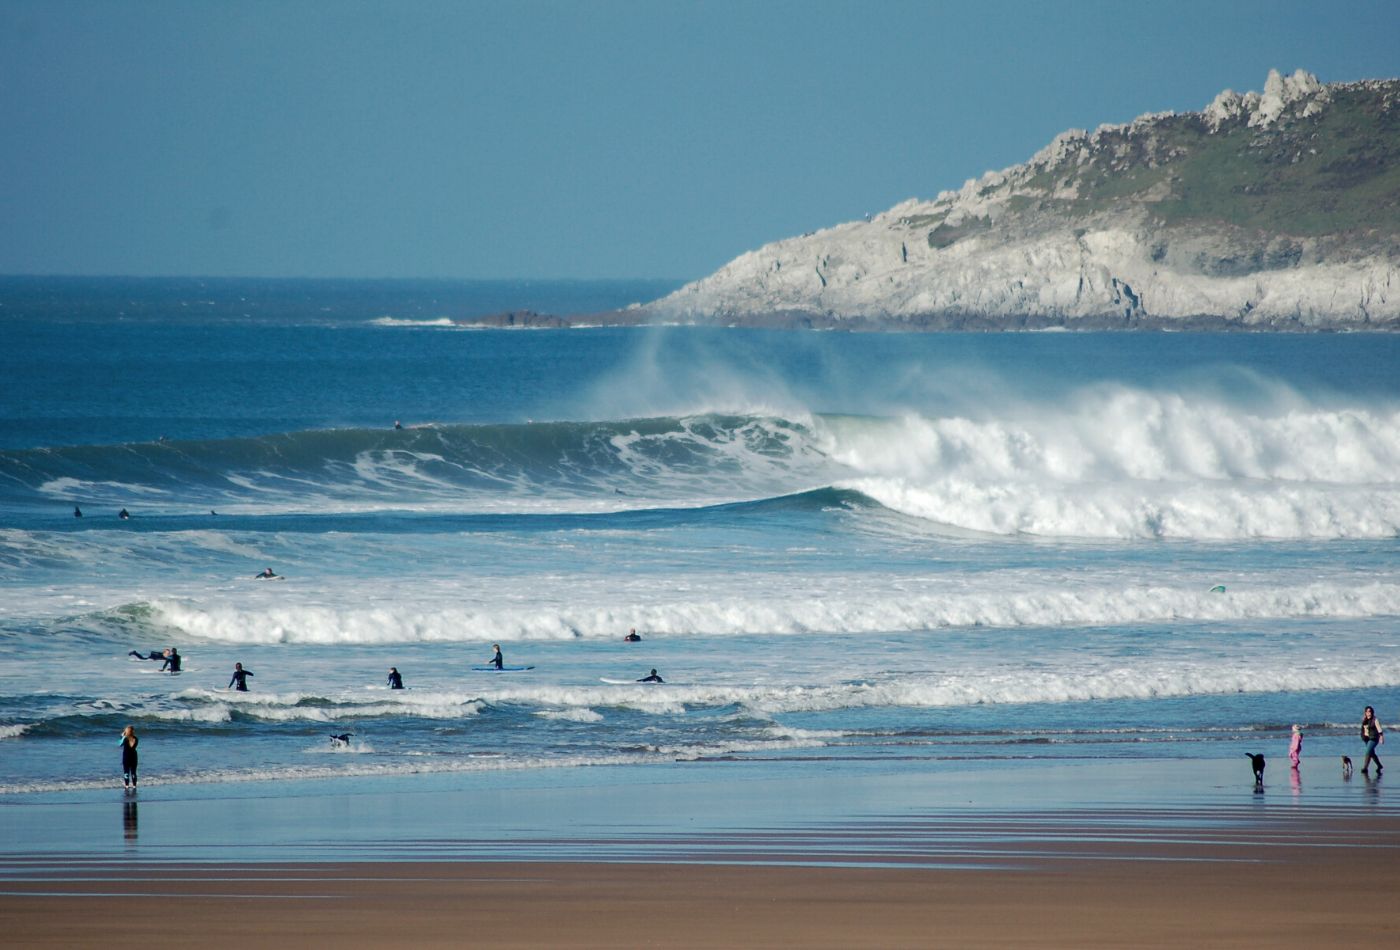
(172, 661)
(395, 680)
(265, 575)
(632, 636)
(153, 655)
(497, 660)
(653, 678)
(240, 677)
(123, 514)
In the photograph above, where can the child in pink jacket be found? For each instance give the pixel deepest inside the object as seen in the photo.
(1295, 747)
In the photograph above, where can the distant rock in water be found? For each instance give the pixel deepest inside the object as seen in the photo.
(1278, 210)
(514, 318)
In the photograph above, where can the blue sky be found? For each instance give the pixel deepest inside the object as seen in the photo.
(426, 138)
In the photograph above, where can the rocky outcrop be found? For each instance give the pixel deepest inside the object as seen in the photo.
(1274, 210)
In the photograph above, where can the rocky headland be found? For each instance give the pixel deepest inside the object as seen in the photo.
(1274, 210)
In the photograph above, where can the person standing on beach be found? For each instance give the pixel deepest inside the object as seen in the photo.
(1295, 745)
(129, 741)
(239, 681)
(497, 660)
(1373, 735)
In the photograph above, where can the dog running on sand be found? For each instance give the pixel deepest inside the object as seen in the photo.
(1258, 762)
(1346, 766)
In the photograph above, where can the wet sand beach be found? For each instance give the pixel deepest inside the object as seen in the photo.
(1308, 884)
(1053, 857)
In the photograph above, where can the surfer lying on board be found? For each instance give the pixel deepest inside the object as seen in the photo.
(653, 678)
(265, 575)
(153, 655)
(497, 660)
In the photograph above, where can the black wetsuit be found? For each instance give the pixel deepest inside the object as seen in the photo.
(153, 655)
(241, 678)
(172, 663)
(395, 680)
(498, 660)
(129, 760)
(653, 678)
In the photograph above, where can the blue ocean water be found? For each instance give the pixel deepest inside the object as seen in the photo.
(837, 547)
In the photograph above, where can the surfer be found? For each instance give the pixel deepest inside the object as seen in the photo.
(77, 512)
(398, 424)
(395, 680)
(123, 514)
(172, 661)
(128, 742)
(153, 655)
(240, 677)
(265, 575)
(497, 660)
(632, 636)
(652, 678)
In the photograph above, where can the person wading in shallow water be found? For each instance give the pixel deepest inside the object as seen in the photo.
(129, 741)
(239, 681)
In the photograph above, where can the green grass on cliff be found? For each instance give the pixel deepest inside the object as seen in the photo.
(1333, 173)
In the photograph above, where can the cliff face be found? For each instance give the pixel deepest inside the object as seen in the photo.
(1274, 210)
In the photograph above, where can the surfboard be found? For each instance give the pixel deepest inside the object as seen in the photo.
(617, 682)
(1218, 589)
(503, 669)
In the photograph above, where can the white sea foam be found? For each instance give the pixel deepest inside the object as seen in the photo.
(570, 715)
(1119, 463)
(831, 605)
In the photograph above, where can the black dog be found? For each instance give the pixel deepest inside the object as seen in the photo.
(1258, 763)
(342, 739)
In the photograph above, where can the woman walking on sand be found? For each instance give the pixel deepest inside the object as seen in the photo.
(1373, 735)
(129, 741)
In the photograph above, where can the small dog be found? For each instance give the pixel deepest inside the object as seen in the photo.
(1258, 762)
(1346, 766)
(342, 739)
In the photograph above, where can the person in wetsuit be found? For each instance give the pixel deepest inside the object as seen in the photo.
(498, 661)
(172, 661)
(240, 678)
(129, 757)
(153, 655)
(264, 575)
(632, 636)
(395, 680)
(653, 678)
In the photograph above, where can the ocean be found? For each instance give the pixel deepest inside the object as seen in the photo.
(841, 551)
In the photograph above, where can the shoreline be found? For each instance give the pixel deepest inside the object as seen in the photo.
(1111, 853)
(1303, 882)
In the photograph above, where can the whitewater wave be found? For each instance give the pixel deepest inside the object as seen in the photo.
(829, 609)
(1111, 462)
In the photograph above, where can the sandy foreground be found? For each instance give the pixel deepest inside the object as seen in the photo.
(1305, 882)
